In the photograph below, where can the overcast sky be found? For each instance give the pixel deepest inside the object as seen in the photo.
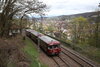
(68, 7)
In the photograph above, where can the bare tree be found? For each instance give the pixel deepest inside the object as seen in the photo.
(11, 8)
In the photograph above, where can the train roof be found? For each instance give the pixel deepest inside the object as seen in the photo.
(49, 41)
(28, 30)
(34, 32)
(46, 39)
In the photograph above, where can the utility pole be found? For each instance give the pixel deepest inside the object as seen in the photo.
(39, 48)
(41, 23)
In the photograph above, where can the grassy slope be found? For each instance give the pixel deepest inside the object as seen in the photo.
(92, 52)
(32, 53)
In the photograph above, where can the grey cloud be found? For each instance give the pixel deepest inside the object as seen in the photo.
(58, 7)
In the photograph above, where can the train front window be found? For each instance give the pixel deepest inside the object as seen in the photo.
(53, 46)
(49, 47)
(56, 46)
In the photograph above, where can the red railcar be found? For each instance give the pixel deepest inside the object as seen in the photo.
(49, 45)
(28, 32)
(33, 35)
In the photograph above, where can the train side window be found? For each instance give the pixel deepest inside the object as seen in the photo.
(56, 46)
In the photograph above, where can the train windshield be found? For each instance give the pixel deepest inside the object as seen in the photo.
(53, 46)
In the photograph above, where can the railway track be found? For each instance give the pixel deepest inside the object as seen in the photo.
(60, 62)
(69, 58)
(77, 58)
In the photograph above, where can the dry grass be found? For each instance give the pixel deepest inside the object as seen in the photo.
(10, 52)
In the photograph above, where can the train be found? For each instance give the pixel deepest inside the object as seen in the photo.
(48, 44)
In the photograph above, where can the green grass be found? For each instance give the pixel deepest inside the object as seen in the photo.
(32, 53)
(92, 52)
(89, 51)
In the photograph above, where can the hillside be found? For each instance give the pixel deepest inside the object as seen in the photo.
(64, 17)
